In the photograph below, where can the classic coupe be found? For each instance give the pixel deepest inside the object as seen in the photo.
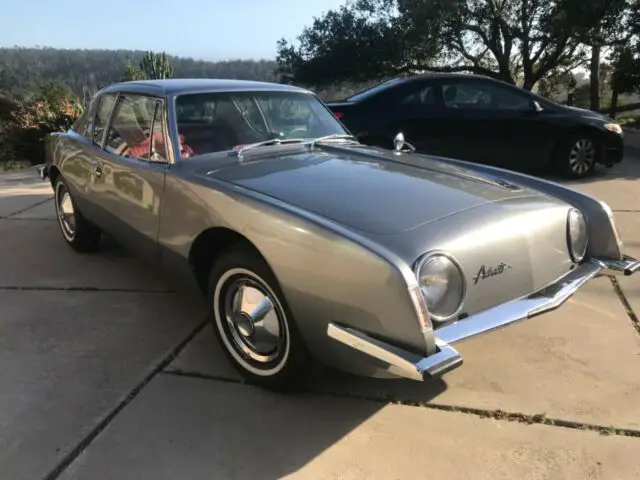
(309, 247)
(502, 125)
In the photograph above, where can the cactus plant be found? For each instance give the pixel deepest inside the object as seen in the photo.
(156, 65)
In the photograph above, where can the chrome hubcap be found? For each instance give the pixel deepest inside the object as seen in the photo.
(254, 321)
(582, 156)
(66, 214)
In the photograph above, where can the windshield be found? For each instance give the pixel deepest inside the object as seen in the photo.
(221, 121)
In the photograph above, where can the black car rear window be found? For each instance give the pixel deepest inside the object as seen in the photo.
(381, 87)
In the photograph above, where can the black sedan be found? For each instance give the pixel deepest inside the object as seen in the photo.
(482, 120)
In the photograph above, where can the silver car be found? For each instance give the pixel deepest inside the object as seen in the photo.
(310, 246)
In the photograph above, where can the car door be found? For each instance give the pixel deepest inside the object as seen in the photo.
(417, 111)
(498, 124)
(130, 171)
(79, 162)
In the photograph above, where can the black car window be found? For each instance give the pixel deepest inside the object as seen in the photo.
(375, 90)
(483, 96)
(424, 96)
(102, 117)
(137, 129)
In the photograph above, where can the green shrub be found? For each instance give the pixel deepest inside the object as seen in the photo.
(24, 124)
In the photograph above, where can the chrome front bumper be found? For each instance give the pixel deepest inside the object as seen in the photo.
(416, 367)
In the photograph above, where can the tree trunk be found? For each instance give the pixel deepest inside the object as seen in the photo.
(595, 78)
(528, 83)
(614, 102)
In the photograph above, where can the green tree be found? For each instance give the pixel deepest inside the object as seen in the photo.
(599, 24)
(133, 72)
(23, 71)
(156, 66)
(519, 41)
(360, 40)
(626, 76)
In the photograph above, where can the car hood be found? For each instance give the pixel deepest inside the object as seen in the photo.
(367, 189)
(586, 113)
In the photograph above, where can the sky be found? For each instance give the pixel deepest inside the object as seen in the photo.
(201, 29)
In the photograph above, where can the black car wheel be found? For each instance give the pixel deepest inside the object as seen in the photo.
(79, 234)
(253, 323)
(577, 156)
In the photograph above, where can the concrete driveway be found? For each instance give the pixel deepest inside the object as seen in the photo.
(108, 372)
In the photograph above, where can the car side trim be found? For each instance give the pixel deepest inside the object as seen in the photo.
(414, 367)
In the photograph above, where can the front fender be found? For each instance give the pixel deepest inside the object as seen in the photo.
(604, 241)
(326, 272)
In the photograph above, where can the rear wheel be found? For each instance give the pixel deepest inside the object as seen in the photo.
(576, 157)
(253, 322)
(76, 230)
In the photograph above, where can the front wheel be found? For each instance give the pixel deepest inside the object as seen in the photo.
(576, 157)
(253, 323)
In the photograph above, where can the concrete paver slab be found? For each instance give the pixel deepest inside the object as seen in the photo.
(20, 190)
(204, 356)
(578, 363)
(34, 254)
(617, 186)
(628, 224)
(42, 211)
(201, 429)
(66, 360)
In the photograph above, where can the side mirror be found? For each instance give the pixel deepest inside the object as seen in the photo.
(399, 143)
(536, 107)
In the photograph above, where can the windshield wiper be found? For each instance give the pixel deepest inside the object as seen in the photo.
(335, 136)
(278, 141)
(266, 143)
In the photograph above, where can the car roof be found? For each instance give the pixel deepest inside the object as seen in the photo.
(394, 82)
(175, 86)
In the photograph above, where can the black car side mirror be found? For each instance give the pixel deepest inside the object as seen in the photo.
(536, 107)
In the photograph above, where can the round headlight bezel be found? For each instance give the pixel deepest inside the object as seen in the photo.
(576, 255)
(421, 264)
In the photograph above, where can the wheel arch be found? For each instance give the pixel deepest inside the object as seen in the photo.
(592, 132)
(54, 173)
(209, 245)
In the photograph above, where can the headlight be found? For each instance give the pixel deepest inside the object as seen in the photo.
(613, 127)
(442, 284)
(577, 235)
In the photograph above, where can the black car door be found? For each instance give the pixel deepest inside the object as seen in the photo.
(416, 110)
(498, 124)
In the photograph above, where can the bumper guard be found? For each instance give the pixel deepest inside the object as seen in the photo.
(415, 367)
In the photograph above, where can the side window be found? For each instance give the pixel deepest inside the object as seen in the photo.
(423, 96)
(483, 96)
(81, 124)
(137, 129)
(96, 130)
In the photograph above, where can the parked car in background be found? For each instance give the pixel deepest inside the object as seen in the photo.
(309, 245)
(479, 119)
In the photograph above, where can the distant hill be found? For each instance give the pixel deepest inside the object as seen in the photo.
(25, 69)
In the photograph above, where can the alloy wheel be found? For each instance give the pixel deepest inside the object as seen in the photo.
(582, 156)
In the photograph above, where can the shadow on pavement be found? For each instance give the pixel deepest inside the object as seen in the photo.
(189, 428)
